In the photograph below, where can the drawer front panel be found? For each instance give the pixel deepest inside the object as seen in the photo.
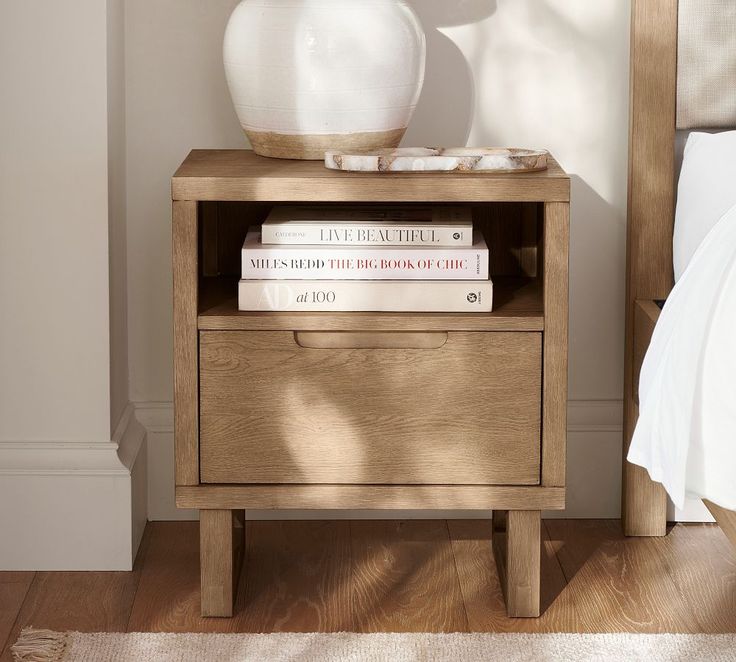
(461, 408)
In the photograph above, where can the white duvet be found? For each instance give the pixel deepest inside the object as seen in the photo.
(686, 433)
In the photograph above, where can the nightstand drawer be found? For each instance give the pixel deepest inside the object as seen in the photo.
(384, 408)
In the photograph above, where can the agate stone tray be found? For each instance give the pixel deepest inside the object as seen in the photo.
(439, 159)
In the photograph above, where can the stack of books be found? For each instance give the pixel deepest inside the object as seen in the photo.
(366, 259)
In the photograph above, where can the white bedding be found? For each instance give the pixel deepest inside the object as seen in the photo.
(686, 433)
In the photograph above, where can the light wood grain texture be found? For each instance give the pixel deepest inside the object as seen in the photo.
(242, 175)
(209, 223)
(168, 596)
(370, 497)
(404, 577)
(481, 586)
(650, 218)
(81, 601)
(298, 578)
(644, 507)
(604, 570)
(554, 404)
(221, 545)
(275, 412)
(702, 563)
(511, 229)
(13, 589)
(517, 306)
(726, 519)
(186, 406)
(517, 548)
(370, 339)
(527, 253)
(293, 408)
(619, 585)
(646, 314)
(646, 501)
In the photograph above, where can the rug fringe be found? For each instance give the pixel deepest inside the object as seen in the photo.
(39, 646)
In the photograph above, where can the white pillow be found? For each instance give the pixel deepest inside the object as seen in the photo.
(706, 191)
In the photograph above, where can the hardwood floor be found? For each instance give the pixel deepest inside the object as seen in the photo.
(369, 576)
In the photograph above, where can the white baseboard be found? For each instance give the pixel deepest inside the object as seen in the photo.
(594, 468)
(694, 510)
(73, 505)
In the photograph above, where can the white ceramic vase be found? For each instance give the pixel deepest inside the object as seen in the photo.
(306, 76)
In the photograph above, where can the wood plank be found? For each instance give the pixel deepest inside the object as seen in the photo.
(363, 416)
(650, 218)
(404, 578)
(371, 497)
(554, 404)
(81, 601)
(644, 507)
(241, 175)
(523, 562)
(221, 543)
(481, 586)
(168, 596)
(298, 578)
(646, 314)
(603, 568)
(517, 550)
(619, 584)
(517, 303)
(703, 565)
(726, 519)
(186, 365)
(13, 589)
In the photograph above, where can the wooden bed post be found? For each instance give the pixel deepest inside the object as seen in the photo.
(650, 221)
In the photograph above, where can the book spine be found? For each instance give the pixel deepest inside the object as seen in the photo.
(384, 296)
(337, 263)
(359, 234)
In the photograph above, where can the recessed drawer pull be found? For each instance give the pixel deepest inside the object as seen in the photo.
(370, 339)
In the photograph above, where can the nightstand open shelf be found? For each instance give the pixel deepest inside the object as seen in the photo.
(369, 410)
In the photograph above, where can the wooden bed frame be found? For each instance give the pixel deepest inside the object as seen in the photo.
(651, 211)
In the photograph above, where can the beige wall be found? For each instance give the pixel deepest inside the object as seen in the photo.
(176, 99)
(116, 197)
(539, 73)
(54, 351)
(72, 455)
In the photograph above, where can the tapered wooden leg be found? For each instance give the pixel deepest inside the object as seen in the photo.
(517, 546)
(221, 545)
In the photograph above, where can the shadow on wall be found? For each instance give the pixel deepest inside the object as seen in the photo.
(598, 223)
(445, 108)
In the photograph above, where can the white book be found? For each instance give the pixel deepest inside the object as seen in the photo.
(261, 261)
(369, 226)
(361, 295)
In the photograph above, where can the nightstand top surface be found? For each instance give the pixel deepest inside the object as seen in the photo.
(239, 174)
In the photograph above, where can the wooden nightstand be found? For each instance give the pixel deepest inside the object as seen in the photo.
(369, 410)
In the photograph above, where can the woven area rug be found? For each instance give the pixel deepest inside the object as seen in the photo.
(47, 646)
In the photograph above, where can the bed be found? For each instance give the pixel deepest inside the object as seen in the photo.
(683, 78)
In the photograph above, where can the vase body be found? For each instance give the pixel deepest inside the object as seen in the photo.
(306, 76)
